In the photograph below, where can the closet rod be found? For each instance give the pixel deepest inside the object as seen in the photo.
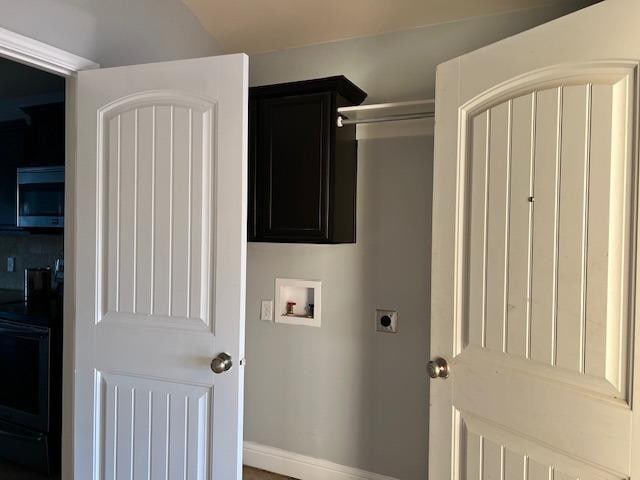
(390, 118)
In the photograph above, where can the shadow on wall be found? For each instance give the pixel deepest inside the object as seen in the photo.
(395, 192)
(345, 393)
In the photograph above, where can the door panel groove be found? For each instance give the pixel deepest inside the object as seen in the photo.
(135, 211)
(185, 452)
(151, 432)
(167, 438)
(487, 170)
(115, 432)
(585, 229)
(507, 220)
(118, 208)
(497, 229)
(481, 459)
(189, 210)
(132, 437)
(556, 229)
(531, 213)
(170, 245)
(153, 211)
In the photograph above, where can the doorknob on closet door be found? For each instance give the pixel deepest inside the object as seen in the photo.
(221, 363)
(438, 368)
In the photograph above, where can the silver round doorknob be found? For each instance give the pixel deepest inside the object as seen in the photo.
(221, 363)
(438, 368)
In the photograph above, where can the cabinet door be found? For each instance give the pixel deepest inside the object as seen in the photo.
(292, 158)
(45, 145)
(12, 146)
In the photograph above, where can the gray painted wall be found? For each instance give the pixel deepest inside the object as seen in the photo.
(402, 65)
(111, 32)
(343, 392)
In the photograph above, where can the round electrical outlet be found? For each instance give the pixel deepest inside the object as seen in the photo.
(386, 321)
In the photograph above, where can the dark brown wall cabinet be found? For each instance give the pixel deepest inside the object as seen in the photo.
(302, 167)
(13, 144)
(45, 140)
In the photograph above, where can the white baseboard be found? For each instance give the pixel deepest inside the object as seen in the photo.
(300, 466)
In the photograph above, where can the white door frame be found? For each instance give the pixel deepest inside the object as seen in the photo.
(34, 53)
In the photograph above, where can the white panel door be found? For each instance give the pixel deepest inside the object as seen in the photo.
(535, 254)
(161, 238)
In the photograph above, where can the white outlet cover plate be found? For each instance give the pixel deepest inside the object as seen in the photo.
(266, 310)
(393, 315)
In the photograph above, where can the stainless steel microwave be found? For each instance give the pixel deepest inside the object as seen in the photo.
(41, 197)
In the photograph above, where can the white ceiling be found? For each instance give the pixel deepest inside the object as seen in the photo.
(256, 26)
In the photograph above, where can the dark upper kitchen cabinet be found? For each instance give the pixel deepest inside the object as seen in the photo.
(13, 136)
(302, 166)
(45, 140)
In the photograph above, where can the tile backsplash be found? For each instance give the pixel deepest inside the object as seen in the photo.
(29, 251)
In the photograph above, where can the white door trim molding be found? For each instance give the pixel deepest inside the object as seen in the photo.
(40, 55)
(34, 53)
(300, 466)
